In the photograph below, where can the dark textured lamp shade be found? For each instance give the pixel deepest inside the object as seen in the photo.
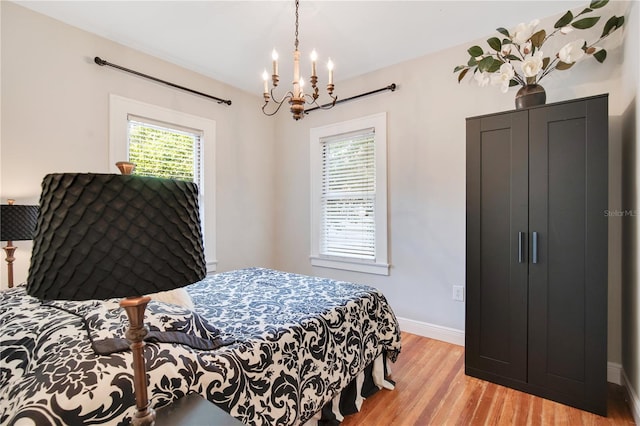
(17, 222)
(102, 236)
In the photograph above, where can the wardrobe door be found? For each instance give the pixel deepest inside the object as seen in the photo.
(568, 258)
(496, 264)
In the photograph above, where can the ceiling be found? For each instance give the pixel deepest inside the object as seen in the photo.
(231, 41)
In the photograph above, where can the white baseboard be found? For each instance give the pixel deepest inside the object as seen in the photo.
(634, 399)
(614, 373)
(432, 331)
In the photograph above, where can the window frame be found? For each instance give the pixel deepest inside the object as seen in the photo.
(120, 108)
(379, 265)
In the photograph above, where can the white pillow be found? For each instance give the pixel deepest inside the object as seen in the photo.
(178, 296)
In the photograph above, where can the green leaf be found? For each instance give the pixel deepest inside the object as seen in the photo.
(612, 24)
(506, 41)
(565, 20)
(563, 65)
(620, 22)
(538, 38)
(462, 74)
(512, 58)
(485, 63)
(600, 55)
(513, 82)
(475, 51)
(459, 67)
(503, 31)
(587, 10)
(597, 4)
(545, 62)
(495, 66)
(585, 23)
(472, 62)
(495, 44)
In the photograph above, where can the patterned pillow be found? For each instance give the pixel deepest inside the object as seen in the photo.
(106, 323)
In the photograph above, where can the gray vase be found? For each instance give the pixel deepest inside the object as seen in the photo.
(530, 95)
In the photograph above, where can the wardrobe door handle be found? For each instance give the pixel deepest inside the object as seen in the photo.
(520, 247)
(535, 247)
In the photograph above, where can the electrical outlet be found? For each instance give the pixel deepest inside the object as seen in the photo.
(458, 293)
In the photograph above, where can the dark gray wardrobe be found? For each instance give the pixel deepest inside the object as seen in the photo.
(536, 256)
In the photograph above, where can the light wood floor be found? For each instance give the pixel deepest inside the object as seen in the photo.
(432, 389)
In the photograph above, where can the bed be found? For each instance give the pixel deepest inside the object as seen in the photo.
(268, 347)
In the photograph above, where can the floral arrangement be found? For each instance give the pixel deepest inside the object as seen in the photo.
(518, 58)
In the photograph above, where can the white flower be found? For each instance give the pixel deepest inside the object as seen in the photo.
(566, 30)
(506, 49)
(572, 52)
(525, 49)
(482, 78)
(523, 32)
(503, 77)
(532, 65)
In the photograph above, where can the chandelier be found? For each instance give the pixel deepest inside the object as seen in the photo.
(297, 98)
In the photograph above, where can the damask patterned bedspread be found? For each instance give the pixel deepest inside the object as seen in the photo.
(296, 342)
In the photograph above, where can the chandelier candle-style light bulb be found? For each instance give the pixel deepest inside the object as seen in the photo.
(314, 58)
(330, 67)
(274, 56)
(297, 98)
(265, 77)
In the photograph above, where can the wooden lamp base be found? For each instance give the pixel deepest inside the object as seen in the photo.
(9, 250)
(135, 307)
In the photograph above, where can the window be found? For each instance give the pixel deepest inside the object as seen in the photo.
(347, 196)
(169, 144)
(164, 150)
(349, 199)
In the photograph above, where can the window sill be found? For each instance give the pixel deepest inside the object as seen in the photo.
(351, 265)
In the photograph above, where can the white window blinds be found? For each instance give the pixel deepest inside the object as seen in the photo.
(164, 150)
(348, 195)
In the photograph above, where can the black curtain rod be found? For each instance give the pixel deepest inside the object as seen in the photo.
(102, 62)
(391, 87)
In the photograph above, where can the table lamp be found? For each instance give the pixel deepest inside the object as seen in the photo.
(17, 223)
(101, 236)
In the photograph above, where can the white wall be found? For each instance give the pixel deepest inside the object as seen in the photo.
(55, 118)
(630, 230)
(426, 169)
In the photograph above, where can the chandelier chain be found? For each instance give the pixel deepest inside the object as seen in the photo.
(297, 4)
